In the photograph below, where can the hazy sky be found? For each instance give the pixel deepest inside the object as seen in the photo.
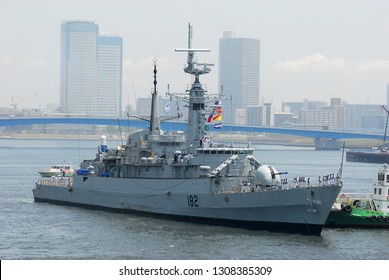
(309, 49)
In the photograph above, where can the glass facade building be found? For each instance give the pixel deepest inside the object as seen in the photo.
(91, 71)
(238, 74)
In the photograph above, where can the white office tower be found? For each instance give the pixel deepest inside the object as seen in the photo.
(91, 71)
(238, 75)
(109, 99)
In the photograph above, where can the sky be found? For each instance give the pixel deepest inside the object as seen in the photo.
(309, 49)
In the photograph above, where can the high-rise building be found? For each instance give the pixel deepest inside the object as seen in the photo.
(238, 74)
(109, 91)
(91, 70)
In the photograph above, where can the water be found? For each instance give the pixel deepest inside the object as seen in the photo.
(44, 231)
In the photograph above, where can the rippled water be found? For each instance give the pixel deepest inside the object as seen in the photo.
(43, 231)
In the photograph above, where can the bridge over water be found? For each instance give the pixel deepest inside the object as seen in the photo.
(323, 139)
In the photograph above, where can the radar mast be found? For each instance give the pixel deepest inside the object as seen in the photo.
(196, 117)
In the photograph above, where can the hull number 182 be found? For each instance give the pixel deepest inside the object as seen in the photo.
(192, 200)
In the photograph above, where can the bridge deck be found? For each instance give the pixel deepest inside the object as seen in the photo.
(183, 126)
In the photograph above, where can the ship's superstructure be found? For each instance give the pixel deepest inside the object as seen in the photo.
(380, 195)
(185, 176)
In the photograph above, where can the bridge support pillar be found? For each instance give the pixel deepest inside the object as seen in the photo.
(327, 144)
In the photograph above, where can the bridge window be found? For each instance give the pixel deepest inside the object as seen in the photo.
(379, 191)
(387, 178)
(381, 177)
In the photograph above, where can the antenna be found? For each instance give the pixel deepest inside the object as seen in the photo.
(154, 118)
(386, 125)
(340, 172)
(120, 131)
(190, 35)
(191, 68)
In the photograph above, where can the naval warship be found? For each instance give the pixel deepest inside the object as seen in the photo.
(184, 176)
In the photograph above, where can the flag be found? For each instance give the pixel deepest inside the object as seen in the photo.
(216, 114)
(218, 102)
(218, 117)
(218, 126)
(167, 106)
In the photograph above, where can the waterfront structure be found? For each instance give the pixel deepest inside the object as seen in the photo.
(91, 70)
(268, 114)
(284, 119)
(254, 116)
(260, 115)
(239, 75)
(364, 116)
(337, 115)
(296, 107)
(325, 117)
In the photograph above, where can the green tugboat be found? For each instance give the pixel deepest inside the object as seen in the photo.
(363, 210)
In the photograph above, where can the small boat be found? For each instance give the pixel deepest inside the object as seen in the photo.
(58, 170)
(369, 210)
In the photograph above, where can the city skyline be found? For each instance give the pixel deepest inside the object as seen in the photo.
(309, 50)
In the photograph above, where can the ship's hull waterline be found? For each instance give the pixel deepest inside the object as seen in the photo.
(300, 210)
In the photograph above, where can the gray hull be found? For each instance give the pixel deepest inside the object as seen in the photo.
(301, 210)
